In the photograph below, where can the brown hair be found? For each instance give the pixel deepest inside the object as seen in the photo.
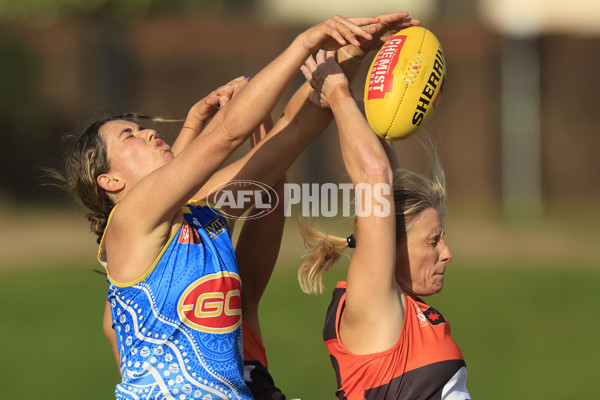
(85, 159)
(413, 193)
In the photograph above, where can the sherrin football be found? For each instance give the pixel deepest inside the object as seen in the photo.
(404, 83)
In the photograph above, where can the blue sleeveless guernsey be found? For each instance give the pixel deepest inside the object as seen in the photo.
(178, 327)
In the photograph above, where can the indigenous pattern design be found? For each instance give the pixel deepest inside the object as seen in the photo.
(179, 326)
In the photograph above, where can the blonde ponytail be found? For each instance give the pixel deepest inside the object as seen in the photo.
(413, 193)
(323, 251)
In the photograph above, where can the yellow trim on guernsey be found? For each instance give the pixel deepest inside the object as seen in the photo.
(102, 256)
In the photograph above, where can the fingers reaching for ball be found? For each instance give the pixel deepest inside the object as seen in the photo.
(221, 96)
(387, 26)
(337, 32)
(323, 74)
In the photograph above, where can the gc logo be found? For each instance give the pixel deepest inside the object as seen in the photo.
(212, 304)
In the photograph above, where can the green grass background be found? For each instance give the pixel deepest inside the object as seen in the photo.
(527, 331)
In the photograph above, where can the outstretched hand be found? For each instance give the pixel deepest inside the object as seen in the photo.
(209, 105)
(387, 26)
(221, 96)
(323, 73)
(204, 110)
(337, 32)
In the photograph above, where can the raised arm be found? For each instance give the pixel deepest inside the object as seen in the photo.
(177, 181)
(150, 205)
(256, 251)
(263, 91)
(302, 122)
(204, 110)
(373, 312)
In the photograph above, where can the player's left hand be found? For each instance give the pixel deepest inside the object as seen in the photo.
(322, 73)
(336, 32)
(207, 107)
(388, 26)
(221, 96)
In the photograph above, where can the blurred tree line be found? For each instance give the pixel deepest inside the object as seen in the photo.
(62, 61)
(29, 125)
(11, 10)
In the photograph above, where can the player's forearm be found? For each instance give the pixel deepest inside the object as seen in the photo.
(191, 129)
(350, 59)
(246, 110)
(365, 158)
(313, 117)
(257, 248)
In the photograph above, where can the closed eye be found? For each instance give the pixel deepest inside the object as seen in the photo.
(436, 239)
(126, 134)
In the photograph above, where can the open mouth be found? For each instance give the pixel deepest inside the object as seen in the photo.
(161, 144)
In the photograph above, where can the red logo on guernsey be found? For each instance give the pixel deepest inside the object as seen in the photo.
(188, 235)
(212, 304)
(382, 78)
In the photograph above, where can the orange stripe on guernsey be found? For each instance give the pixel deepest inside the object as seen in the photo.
(424, 359)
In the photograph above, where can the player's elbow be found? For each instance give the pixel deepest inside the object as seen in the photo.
(233, 130)
(374, 166)
(377, 172)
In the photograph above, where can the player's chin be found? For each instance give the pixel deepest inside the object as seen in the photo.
(438, 284)
(431, 289)
(167, 156)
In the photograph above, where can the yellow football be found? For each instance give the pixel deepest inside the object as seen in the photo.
(404, 83)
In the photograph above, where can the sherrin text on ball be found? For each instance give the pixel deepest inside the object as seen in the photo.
(404, 83)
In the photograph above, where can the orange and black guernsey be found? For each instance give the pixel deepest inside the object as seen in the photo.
(425, 362)
(256, 369)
